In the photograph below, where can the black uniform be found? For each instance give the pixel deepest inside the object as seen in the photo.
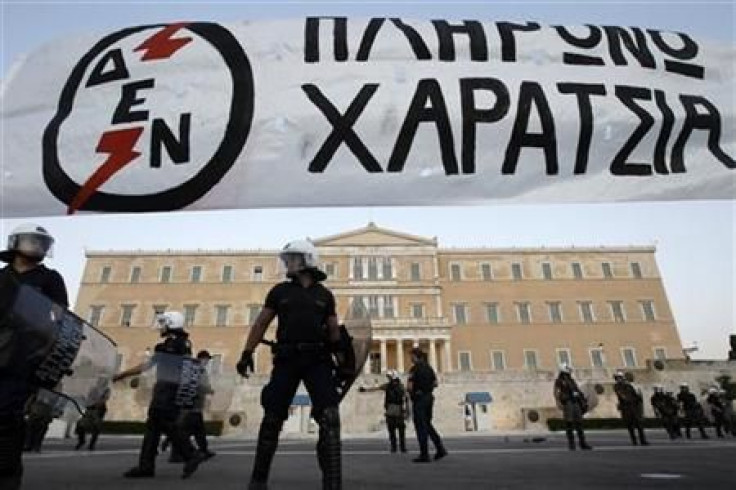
(163, 412)
(693, 413)
(395, 405)
(423, 381)
(574, 405)
(665, 407)
(15, 387)
(91, 421)
(630, 404)
(717, 409)
(301, 355)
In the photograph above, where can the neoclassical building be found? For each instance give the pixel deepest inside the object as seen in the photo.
(475, 310)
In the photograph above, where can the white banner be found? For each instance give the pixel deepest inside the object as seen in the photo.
(350, 112)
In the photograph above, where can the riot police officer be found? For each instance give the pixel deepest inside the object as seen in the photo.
(308, 334)
(630, 404)
(665, 407)
(27, 247)
(164, 415)
(422, 382)
(717, 409)
(573, 403)
(692, 411)
(394, 404)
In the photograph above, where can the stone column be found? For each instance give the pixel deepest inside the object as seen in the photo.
(447, 365)
(384, 355)
(400, 355)
(433, 354)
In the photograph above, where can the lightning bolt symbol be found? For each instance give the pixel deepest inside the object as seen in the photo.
(119, 145)
(161, 45)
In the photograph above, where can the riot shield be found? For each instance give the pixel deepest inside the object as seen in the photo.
(183, 382)
(59, 351)
(588, 390)
(357, 325)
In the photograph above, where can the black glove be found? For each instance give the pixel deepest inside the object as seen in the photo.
(245, 363)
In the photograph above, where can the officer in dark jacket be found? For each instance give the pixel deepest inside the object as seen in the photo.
(717, 409)
(630, 404)
(308, 334)
(665, 407)
(27, 247)
(573, 403)
(164, 415)
(394, 404)
(422, 382)
(692, 411)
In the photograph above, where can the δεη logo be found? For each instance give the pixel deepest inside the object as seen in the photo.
(150, 119)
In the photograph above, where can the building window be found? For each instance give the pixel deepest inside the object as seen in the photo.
(466, 364)
(586, 311)
(647, 310)
(555, 311)
(196, 275)
(577, 270)
(492, 314)
(214, 367)
(126, 315)
(498, 360)
(564, 357)
(374, 362)
(330, 269)
(596, 358)
(221, 314)
(531, 359)
(357, 268)
(190, 312)
(660, 353)
(416, 271)
(166, 273)
(105, 274)
(258, 273)
(486, 273)
(607, 272)
(455, 272)
(387, 268)
(516, 272)
(227, 273)
(523, 310)
(157, 310)
(372, 268)
(547, 271)
(253, 311)
(135, 274)
(617, 311)
(636, 270)
(460, 312)
(373, 309)
(95, 314)
(417, 310)
(628, 355)
(388, 307)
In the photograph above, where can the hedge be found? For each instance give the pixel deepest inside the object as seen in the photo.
(212, 427)
(557, 424)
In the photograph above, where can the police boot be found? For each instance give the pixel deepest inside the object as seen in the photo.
(268, 441)
(329, 447)
(570, 439)
(642, 437)
(191, 465)
(581, 440)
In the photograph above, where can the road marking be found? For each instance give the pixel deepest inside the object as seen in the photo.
(661, 476)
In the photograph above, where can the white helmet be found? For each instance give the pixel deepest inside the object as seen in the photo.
(619, 374)
(308, 252)
(565, 368)
(170, 320)
(684, 385)
(29, 239)
(392, 374)
(712, 390)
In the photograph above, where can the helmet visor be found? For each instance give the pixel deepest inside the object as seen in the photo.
(32, 244)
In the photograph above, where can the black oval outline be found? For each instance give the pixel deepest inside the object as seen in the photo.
(236, 132)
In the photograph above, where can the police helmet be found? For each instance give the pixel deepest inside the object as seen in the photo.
(30, 240)
(309, 258)
(170, 321)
